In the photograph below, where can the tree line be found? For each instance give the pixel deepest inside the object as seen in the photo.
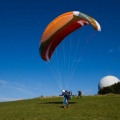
(115, 89)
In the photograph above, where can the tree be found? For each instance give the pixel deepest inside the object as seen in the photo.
(115, 89)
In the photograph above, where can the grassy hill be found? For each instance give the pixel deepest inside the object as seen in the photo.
(86, 108)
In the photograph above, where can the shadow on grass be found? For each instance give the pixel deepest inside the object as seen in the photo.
(56, 103)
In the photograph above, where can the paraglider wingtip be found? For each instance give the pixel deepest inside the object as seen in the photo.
(98, 25)
(99, 28)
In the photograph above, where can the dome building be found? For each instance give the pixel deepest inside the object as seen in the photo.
(107, 81)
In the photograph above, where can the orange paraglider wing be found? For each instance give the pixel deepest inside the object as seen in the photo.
(59, 28)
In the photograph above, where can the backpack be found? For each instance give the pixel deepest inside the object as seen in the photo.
(68, 95)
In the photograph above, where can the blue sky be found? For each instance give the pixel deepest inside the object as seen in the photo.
(79, 62)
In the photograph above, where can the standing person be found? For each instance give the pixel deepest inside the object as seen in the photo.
(79, 94)
(65, 98)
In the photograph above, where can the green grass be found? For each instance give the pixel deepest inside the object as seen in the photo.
(86, 108)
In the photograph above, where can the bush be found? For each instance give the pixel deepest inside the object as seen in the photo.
(110, 89)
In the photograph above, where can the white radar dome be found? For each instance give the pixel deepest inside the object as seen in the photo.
(107, 81)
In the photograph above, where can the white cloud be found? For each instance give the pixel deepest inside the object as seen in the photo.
(9, 99)
(2, 83)
(15, 89)
(10, 91)
(88, 92)
(114, 50)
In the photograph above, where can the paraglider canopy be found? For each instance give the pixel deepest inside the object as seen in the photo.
(60, 27)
